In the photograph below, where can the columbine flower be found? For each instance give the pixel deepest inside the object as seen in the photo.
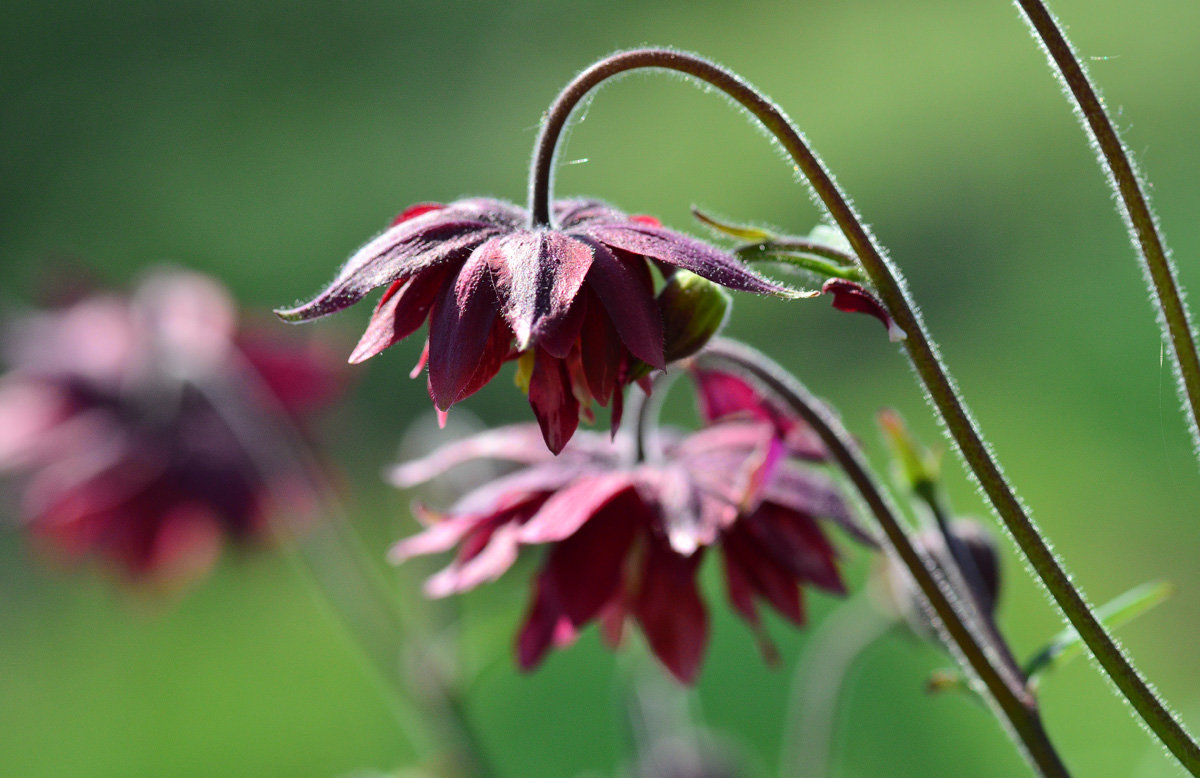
(114, 411)
(624, 540)
(575, 303)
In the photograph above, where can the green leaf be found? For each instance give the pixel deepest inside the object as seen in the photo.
(747, 233)
(1067, 644)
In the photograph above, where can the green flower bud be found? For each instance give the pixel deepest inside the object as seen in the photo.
(693, 309)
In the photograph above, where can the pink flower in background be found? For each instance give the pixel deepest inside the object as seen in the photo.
(623, 540)
(575, 303)
(116, 413)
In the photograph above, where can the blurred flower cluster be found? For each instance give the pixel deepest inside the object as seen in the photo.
(132, 424)
(625, 526)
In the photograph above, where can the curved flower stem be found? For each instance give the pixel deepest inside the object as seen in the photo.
(1144, 232)
(832, 650)
(890, 286)
(1006, 691)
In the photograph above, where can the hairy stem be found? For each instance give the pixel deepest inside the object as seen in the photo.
(1006, 691)
(889, 284)
(1144, 232)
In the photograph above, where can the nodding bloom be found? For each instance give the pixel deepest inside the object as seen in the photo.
(117, 412)
(574, 303)
(623, 540)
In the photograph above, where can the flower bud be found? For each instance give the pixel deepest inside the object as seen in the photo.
(694, 309)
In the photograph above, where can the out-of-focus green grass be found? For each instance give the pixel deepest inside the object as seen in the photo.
(263, 142)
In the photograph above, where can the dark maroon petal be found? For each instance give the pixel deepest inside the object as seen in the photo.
(600, 352)
(797, 544)
(679, 250)
(537, 276)
(459, 328)
(627, 293)
(776, 584)
(420, 243)
(567, 511)
(816, 494)
(553, 402)
(559, 337)
(738, 586)
(573, 213)
(402, 309)
(854, 298)
(541, 626)
(496, 351)
(587, 567)
(669, 608)
(612, 620)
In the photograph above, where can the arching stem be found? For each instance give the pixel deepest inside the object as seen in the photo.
(1005, 690)
(889, 285)
(1144, 232)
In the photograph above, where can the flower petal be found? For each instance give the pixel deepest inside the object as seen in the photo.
(402, 309)
(520, 443)
(553, 402)
(813, 493)
(437, 538)
(537, 275)
(542, 624)
(669, 608)
(420, 243)
(586, 568)
(797, 544)
(567, 511)
(488, 564)
(775, 583)
(459, 328)
(851, 297)
(680, 250)
(626, 291)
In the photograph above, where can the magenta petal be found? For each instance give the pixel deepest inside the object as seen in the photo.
(670, 610)
(568, 510)
(628, 296)
(538, 275)
(404, 307)
(519, 443)
(488, 564)
(553, 402)
(459, 328)
(439, 537)
(679, 250)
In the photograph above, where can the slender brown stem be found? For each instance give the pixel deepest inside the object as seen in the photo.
(1133, 205)
(942, 392)
(1006, 691)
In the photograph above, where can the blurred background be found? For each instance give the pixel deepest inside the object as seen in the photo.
(261, 143)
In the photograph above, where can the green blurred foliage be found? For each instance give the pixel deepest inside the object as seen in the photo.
(262, 142)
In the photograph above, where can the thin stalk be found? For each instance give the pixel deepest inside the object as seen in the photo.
(1133, 205)
(940, 388)
(353, 588)
(1007, 692)
(816, 687)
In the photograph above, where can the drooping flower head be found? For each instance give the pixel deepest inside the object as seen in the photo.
(112, 413)
(575, 304)
(624, 539)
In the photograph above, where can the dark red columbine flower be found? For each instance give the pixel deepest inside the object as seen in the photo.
(575, 303)
(117, 413)
(624, 540)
